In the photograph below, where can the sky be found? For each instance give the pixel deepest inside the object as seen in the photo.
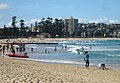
(87, 11)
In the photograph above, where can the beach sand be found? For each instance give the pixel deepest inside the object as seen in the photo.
(29, 40)
(26, 71)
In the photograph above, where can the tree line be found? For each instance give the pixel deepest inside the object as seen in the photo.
(58, 28)
(48, 25)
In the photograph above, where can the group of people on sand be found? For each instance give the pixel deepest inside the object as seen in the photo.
(3, 48)
(11, 48)
(19, 48)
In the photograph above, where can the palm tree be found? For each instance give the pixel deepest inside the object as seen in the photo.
(41, 25)
(58, 27)
(47, 25)
(14, 25)
(56, 22)
(22, 25)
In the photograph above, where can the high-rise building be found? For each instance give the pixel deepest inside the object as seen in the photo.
(72, 26)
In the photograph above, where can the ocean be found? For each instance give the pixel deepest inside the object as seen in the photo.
(71, 52)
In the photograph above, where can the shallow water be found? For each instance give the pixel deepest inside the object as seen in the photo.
(100, 51)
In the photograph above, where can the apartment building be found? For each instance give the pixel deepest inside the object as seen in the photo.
(72, 26)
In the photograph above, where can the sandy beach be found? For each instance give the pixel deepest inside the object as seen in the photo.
(27, 40)
(25, 71)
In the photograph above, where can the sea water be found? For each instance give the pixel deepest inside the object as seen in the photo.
(100, 51)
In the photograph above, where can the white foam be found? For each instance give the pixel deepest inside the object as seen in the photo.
(64, 45)
(114, 55)
(16, 45)
(65, 42)
(103, 49)
(58, 61)
(76, 50)
(32, 46)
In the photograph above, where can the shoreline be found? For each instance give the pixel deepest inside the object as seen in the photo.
(21, 70)
(62, 39)
(44, 40)
(81, 64)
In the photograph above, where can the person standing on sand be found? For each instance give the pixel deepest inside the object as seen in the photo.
(7, 46)
(13, 50)
(3, 48)
(0, 49)
(86, 59)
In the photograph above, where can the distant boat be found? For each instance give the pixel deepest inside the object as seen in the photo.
(17, 55)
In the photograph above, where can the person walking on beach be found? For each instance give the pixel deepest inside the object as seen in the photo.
(86, 59)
